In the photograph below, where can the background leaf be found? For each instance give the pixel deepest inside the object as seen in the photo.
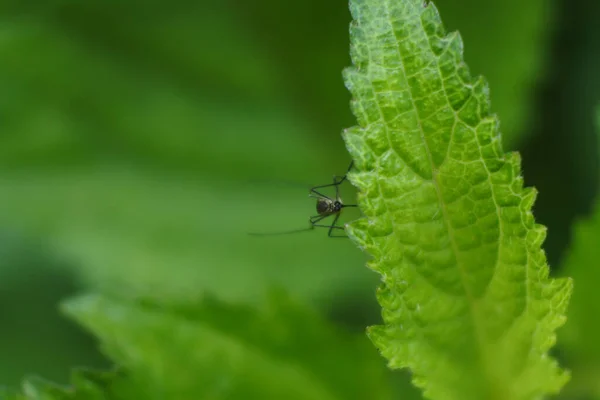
(580, 334)
(209, 349)
(85, 385)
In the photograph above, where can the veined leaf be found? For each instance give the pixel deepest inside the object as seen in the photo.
(208, 349)
(467, 302)
(519, 31)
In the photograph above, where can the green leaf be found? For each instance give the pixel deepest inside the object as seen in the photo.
(580, 335)
(85, 385)
(31, 285)
(6, 394)
(208, 349)
(467, 303)
(519, 33)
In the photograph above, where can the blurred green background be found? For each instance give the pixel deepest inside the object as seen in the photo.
(141, 140)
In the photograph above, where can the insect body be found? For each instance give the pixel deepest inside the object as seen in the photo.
(328, 207)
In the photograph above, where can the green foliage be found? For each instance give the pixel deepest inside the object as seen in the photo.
(85, 385)
(201, 349)
(133, 152)
(31, 285)
(122, 151)
(485, 25)
(208, 349)
(467, 302)
(126, 148)
(580, 335)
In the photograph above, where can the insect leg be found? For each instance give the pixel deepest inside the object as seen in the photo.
(335, 183)
(333, 224)
(317, 218)
(343, 178)
(327, 226)
(331, 227)
(312, 190)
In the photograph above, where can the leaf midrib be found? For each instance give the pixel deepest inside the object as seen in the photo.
(473, 308)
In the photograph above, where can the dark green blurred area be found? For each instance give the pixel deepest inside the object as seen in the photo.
(141, 141)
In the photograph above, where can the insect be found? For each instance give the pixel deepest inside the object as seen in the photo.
(326, 207)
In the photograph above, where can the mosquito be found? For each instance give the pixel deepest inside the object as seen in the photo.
(326, 207)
